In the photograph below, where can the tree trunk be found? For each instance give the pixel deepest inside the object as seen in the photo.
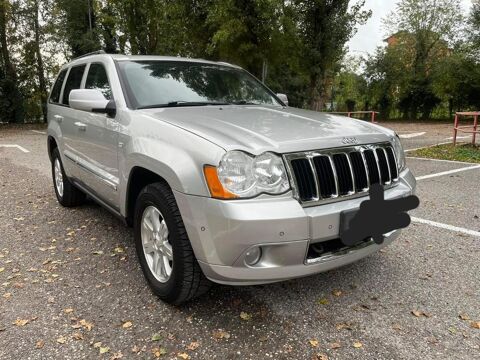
(40, 66)
(15, 108)
(316, 101)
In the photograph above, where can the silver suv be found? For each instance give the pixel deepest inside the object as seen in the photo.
(220, 179)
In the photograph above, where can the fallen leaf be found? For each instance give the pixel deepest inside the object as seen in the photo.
(183, 356)
(475, 324)
(119, 250)
(245, 316)
(160, 351)
(337, 293)
(452, 330)
(87, 325)
(464, 317)
(104, 350)
(97, 345)
(136, 349)
(313, 342)
(357, 344)
(117, 355)
(221, 334)
(77, 336)
(323, 301)
(127, 325)
(61, 340)
(156, 337)
(396, 327)
(321, 356)
(40, 344)
(68, 311)
(98, 252)
(2, 269)
(347, 326)
(7, 295)
(335, 345)
(418, 313)
(193, 346)
(21, 322)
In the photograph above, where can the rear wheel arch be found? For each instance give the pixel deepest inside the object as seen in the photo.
(52, 145)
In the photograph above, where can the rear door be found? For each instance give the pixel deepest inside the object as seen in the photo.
(70, 121)
(98, 141)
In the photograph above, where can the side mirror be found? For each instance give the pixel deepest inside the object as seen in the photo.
(91, 100)
(283, 98)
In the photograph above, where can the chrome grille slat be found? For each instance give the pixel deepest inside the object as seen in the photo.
(335, 176)
(323, 168)
(366, 167)
(351, 173)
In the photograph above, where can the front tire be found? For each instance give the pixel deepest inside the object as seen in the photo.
(67, 194)
(163, 247)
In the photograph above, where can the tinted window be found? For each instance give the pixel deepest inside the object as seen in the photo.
(74, 81)
(57, 88)
(159, 83)
(97, 79)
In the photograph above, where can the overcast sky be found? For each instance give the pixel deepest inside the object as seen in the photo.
(371, 35)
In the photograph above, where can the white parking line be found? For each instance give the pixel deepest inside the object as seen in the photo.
(447, 172)
(412, 135)
(446, 226)
(439, 160)
(460, 137)
(21, 148)
(39, 132)
(429, 146)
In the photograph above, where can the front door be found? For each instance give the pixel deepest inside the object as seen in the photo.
(98, 142)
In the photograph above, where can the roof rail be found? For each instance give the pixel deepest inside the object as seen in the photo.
(90, 53)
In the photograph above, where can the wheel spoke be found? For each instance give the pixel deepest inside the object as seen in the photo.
(167, 269)
(155, 262)
(148, 247)
(147, 224)
(155, 217)
(168, 251)
(163, 230)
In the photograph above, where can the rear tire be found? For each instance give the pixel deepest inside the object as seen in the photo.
(163, 247)
(67, 194)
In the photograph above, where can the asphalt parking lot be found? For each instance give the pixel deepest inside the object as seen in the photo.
(71, 287)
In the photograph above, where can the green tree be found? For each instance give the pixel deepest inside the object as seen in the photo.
(424, 31)
(324, 27)
(11, 97)
(79, 25)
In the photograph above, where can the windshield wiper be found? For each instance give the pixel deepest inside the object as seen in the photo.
(244, 102)
(183, 103)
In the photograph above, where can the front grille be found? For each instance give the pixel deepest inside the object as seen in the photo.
(324, 175)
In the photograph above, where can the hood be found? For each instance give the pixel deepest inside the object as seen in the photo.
(256, 129)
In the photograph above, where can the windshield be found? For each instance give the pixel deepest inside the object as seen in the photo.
(151, 84)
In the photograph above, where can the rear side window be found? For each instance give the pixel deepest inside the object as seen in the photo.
(57, 88)
(74, 81)
(97, 79)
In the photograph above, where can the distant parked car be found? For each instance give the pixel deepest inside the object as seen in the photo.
(219, 178)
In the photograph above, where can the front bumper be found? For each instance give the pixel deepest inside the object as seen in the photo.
(221, 232)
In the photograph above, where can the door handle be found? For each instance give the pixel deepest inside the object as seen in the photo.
(81, 126)
(58, 118)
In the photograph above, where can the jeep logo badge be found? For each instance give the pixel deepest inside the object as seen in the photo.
(349, 140)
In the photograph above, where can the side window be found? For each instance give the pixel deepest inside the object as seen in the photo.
(97, 79)
(74, 81)
(57, 88)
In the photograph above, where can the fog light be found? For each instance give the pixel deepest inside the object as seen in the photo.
(253, 256)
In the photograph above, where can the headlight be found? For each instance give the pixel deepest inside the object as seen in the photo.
(244, 175)
(399, 153)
